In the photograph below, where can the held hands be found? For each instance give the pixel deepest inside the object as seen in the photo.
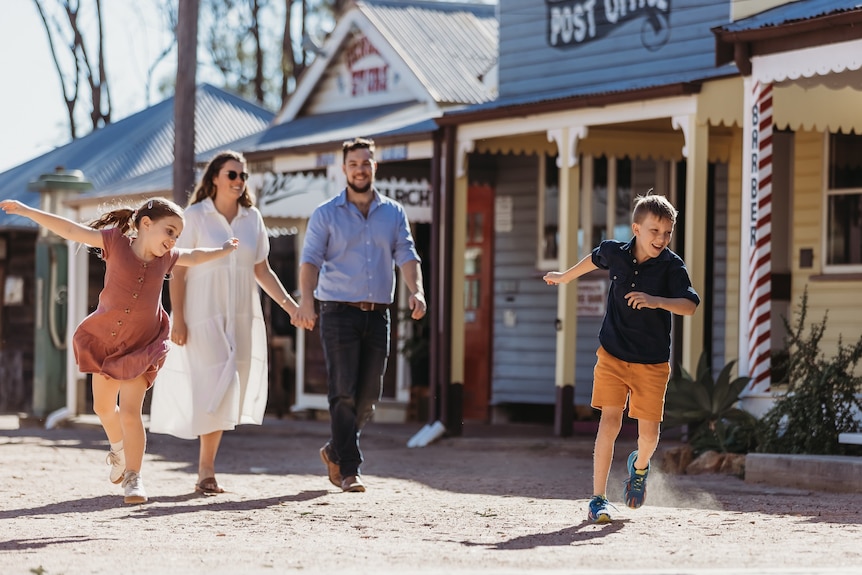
(304, 318)
(230, 245)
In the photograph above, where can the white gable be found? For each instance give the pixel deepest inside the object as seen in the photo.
(362, 75)
(357, 69)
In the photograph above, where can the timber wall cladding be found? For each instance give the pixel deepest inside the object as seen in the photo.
(547, 45)
(17, 322)
(15, 395)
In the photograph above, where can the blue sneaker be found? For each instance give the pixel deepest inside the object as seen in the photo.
(635, 486)
(599, 512)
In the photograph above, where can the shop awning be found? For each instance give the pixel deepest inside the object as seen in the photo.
(295, 195)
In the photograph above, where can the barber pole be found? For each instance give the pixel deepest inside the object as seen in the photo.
(755, 347)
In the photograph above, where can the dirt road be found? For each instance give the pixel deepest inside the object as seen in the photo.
(514, 504)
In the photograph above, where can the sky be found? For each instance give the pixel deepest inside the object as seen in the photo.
(33, 117)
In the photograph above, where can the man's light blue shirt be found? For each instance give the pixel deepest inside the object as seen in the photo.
(357, 256)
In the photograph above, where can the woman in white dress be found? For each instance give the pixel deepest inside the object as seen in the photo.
(215, 376)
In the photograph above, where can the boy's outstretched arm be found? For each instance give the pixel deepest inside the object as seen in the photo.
(584, 266)
(202, 255)
(63, 227)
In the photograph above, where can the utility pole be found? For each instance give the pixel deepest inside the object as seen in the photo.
(184, 100)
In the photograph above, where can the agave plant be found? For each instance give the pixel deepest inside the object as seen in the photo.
(708, 407)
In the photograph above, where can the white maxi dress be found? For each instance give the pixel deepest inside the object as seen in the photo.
(219, 378)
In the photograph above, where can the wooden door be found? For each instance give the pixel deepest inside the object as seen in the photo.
(478, 303)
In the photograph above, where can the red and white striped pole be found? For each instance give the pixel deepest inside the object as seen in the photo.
(758, 202)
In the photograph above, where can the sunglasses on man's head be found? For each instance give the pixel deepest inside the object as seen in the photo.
(232, 175)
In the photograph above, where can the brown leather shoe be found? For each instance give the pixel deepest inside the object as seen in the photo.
(352, 483)
(333, 469)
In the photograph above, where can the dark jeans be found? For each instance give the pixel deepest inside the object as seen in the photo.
(356, 348)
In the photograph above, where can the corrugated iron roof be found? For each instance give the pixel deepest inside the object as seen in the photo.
(390, 119)
(160, 181)
(450, 46)
(611, 88)
(790, 13)
(137, 145)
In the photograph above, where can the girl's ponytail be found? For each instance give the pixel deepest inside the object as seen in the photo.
(122, 218)
(125, 219)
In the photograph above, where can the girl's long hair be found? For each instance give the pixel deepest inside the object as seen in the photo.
(127, 219)
(206, 188)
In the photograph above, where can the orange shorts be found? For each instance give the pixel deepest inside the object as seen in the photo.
(641, 385)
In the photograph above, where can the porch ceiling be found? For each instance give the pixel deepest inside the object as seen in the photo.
(816, 88)
(648, 139)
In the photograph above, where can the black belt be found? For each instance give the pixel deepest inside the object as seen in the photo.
(366, 305)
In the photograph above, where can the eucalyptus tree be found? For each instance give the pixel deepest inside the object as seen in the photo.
(78, 53)
(261, 47)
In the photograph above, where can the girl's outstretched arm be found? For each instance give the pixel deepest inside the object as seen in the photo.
(63, 227)
(202, 255)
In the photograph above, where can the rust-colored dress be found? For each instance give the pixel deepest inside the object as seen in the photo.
(128, 334)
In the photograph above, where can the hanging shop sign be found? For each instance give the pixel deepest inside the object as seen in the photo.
(296, 195)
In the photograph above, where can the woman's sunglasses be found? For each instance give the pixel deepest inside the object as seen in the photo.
(232, 175)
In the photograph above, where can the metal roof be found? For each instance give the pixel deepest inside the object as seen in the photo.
(791, 13)
(618, 87)
(160, 181)
(450, 46)
(138, 145)
(335, 127)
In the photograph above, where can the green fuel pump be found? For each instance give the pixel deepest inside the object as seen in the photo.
(49, 368)
(52, 256)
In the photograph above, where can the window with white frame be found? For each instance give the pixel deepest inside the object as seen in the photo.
(616, 182)
(843, 213)
(609, 187)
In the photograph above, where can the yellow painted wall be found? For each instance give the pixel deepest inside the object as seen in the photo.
(734, 224)
(838, 297)
(744, 8)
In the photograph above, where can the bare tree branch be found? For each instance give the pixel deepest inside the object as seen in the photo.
(68, 99)
(103, 77)
(80, 68)
(258, 50)
(168, 9)
(288, 56)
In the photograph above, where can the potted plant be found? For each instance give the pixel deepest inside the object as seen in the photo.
(708, 406)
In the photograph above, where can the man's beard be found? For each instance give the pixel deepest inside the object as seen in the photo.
(358, 189)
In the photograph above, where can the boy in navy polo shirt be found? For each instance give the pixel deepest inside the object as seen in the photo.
(648, 283)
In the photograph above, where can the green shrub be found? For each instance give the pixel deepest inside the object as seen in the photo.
(708, 407)
(821, 400)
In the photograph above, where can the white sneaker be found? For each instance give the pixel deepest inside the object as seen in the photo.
(117, 461)
(134, 487)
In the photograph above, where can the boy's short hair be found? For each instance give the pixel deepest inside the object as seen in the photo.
(355, 144)
(659, 206)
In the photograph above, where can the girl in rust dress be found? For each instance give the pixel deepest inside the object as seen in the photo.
(124, 342)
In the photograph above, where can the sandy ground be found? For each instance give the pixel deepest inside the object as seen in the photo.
(511, 501)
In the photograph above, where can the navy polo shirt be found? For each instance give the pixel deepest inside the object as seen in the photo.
(640, 335)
